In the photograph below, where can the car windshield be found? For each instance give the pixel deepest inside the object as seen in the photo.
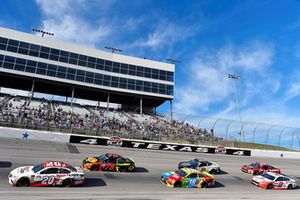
(181, 173)
(102, 158)
(72, 168)
(193, 162)
(38, 168)
(255, 165)
(268, 176)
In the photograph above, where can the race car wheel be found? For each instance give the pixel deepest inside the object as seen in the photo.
(289, 187)
(177, 184)
(270, 186)
(94, 168)
(67, 183)
(255, 173)
(203, 184)
(23, 182)
(131, 168)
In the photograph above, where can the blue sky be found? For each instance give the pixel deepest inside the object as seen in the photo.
(259, 40)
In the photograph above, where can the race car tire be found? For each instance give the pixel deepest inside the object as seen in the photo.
(255, 173)
(131, 168)
(23, 182)
(270, 186)
(290, 187)
(178, 184)
(203, 184)
(67, 183)
(94, 168)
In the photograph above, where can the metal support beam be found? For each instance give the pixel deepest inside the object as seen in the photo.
(108, 96)
(171, 110)
(72, 108)
(31, 92)
(141, 105)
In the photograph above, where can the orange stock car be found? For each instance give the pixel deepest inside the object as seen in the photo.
(109, 162)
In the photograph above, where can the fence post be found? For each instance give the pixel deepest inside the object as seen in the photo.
(228, 128)
(280, 135)
(267, 136)
(213, 128)
(254, 131)
(293, 137)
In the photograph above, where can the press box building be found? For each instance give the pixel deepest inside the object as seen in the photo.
(39, 64)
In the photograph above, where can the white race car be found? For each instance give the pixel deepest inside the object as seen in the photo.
(272, 180)
(201, 165)
(49, 173)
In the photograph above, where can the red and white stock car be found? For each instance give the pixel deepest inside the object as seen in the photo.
(271, 180)
(50, 173)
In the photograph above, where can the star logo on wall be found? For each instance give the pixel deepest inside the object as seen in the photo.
(25, 135)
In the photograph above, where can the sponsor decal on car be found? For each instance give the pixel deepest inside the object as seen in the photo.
(220, 150)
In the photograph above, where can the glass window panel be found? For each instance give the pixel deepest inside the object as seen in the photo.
(139, 71)
(33, 53)
(41, 71)
(162, 75)
(9, 59)
(92, 59)
(42, 65)
(99, 76)
(80, 78)
(44, 55)
(116, 69)
(13, 43)
(19, 67)
(132, 70)
(8, 65)
(123, 83)
(91, 64)
(3, 47)
(80, 73)
(99, 66)
(23, 51)
(146, 86)
(64, 53)
(51, 73)
(24, 45)
(162, 88)
(61, 69)
(73, 61)
(63, 59)
(100, 61)
(53, 57)
(89, 74)
(55, 52)
(106, 80)
(45, 50)
(34, 47)
(1, 64)
(124, 68)
(20, 61)
(89, 80)
(1, 57)
(170, 76)
(30, 69)
(74, 55)
(12, 49)
(71, 76)
(139, 85)
(3, 40)
(107, 68)
(82, 57)
(31, 63)
(71, 71)
(52, 67)
(82, 63)
(98, 82)
(60, 75)
(108, 63)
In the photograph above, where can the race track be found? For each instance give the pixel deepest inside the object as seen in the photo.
(143, 184)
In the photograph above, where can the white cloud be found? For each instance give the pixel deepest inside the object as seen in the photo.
(164, 34)
(208, 83)
(65, 19)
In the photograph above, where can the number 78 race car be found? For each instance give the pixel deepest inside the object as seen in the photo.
(50, 173)
(271, 180)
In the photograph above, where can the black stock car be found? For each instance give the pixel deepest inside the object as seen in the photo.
(109, 162)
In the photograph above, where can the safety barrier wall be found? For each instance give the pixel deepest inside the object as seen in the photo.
(33, 135)
(275, 154)
(152, 145)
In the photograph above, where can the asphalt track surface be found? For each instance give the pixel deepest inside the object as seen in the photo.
(143, 184)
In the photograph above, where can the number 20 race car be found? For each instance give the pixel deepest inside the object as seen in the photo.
(188, 178)
(109, 162)
(50, 173)
(271, 180)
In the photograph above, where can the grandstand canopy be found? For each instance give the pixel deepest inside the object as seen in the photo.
(30, 62)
